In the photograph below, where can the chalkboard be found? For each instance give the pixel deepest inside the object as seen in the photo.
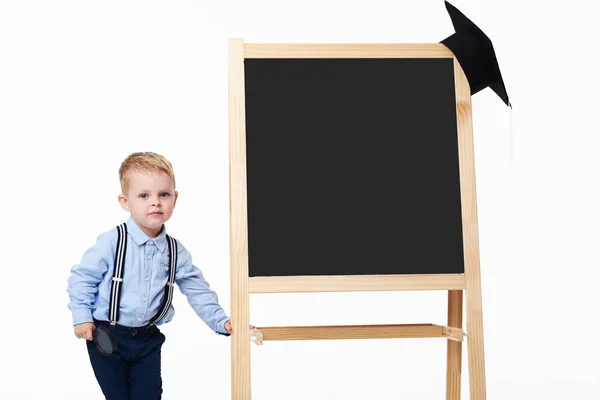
(352, 167)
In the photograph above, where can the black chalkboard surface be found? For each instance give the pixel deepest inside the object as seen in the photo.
(352, 167)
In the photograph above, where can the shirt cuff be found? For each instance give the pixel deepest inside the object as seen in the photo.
(82, 316)
(221, 327)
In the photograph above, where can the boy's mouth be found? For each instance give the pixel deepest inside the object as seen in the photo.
(156, 213)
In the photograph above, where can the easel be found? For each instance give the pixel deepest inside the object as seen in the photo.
(470, 282)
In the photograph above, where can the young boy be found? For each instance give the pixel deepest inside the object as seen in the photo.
(135, 296)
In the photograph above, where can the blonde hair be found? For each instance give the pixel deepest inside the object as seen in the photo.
(144, 162)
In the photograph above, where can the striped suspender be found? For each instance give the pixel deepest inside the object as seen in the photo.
(115, 288)
(117, 280)
(170, 284)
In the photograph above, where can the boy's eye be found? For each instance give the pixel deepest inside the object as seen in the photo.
(143, 196)
(164, 194)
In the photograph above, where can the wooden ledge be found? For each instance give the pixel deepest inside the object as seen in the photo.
(360, 332)
(355, 283)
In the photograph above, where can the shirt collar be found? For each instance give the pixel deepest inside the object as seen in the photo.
(140, 238)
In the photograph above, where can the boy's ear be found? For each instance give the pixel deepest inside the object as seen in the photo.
(123, 202)
(175, 195)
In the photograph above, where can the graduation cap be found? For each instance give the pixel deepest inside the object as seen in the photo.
(475, 53)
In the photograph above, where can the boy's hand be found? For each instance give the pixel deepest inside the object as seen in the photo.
(230, 330)
(84, 331)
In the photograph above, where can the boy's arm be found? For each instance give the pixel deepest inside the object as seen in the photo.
(201, 297)
(85, 277)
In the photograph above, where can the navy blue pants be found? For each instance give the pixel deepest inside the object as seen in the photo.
(133, 371)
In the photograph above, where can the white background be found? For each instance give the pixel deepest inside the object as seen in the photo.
(83, 84)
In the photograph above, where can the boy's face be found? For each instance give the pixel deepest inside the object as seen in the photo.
(150, 198)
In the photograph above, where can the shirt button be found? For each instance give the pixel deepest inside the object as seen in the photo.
(145, 299)
(148, 257)
(139, 318)
(146, 279)
(150, 242)
(166, 268)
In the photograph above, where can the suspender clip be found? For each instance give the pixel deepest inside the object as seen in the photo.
(117, 279)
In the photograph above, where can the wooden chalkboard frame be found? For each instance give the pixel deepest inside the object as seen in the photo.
(470, 282)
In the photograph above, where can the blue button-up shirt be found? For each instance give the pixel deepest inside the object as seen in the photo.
(144, 278)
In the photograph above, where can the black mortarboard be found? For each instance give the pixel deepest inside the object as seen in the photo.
(475, 53)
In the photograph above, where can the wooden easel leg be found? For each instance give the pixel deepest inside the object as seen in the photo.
(470, 235)
(454, 359)
(240, 310)
(475, 339)
(240, 348)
